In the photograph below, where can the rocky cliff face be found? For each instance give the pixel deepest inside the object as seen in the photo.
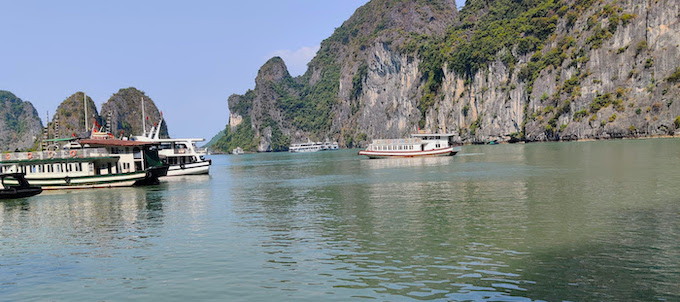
(20, 124)
(125, 108)
(69, 118)
(496, 70)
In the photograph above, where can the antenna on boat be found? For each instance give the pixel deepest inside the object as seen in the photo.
(46, 131)
(56, 125)
(108, 123)
(143, 122)
(85, 103)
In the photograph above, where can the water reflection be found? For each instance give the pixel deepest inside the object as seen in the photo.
(93, 224)
(508, 222)
(407, 227)
(500, 223)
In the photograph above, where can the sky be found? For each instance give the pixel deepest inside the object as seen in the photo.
(187, 56)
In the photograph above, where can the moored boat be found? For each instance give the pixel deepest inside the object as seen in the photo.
(421, 144)
(88, 163)
(181, 154)
(313, 147)
(20, 188)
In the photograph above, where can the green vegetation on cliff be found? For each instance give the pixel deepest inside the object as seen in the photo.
(13, 112)
(242, 137)
(19, 123)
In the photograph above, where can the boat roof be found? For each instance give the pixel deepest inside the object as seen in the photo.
(115, 142)
(60, 139)
(168, 140)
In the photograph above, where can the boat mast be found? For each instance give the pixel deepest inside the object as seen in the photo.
(85, 104)
(143, 122)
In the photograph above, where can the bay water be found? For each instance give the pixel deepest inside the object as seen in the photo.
(577, 221)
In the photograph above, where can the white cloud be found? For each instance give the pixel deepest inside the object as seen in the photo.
(297, 60)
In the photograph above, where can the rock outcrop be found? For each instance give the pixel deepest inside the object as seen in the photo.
(125, 108)
(532, 70)
(69, 119)
(20, 124)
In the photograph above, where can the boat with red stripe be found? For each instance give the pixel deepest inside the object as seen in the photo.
(420, 144)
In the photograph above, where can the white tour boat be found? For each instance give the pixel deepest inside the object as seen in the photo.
(182, 154)
(421, 144)
(88, 163)
(237, 151)
(313, 147)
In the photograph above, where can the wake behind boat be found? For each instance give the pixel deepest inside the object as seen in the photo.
(422, 144)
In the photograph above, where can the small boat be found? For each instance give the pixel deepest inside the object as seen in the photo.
(313, 147)
(421, 144)
(20, 189)
(237, 151)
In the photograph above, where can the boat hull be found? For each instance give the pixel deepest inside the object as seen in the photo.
(148, 177)
(190, 169)
(450, 151)
(12, 192)
(86, 182)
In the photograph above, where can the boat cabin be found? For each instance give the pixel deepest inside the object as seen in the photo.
(419, 142)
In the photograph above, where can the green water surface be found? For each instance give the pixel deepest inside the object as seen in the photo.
(580, 221)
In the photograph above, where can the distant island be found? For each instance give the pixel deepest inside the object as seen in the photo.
(494, 71)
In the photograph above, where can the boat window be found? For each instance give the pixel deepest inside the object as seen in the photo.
(136, 153)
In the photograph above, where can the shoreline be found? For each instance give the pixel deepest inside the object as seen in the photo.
(575, 140)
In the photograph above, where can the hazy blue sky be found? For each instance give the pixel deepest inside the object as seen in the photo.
(188, 56)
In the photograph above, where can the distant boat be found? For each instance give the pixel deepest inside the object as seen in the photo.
(422, 144)
(237, 151)
(20, 187)
(313, 147)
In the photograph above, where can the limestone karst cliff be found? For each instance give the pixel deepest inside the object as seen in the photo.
(125, 108)
(20, 124)
(69, 118)
(497, 70)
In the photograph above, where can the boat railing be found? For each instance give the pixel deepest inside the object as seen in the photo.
(56, 154)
